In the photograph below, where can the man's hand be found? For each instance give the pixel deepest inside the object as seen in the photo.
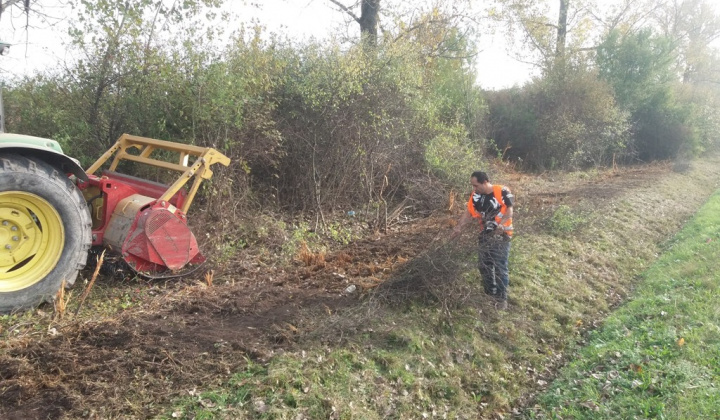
(464, 220)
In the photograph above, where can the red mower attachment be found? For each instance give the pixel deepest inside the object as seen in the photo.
(144, 221)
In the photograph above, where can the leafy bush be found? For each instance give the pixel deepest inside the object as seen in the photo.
(453, 158)
(641, 68)
(308, 127)
(565, 121)
(565, 221)
(512, 123)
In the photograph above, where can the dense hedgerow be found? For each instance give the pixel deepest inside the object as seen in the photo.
(316, 127)
(308, 126)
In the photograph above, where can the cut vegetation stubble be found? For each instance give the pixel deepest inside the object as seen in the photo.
(418, 340)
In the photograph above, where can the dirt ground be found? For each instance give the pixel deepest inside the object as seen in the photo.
(190, 335)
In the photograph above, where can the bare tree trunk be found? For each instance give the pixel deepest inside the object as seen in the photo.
(562, 30)
(368, 20)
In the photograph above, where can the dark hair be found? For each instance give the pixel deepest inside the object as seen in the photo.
(480, 176)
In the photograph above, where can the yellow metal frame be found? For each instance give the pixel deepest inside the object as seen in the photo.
(206, 157)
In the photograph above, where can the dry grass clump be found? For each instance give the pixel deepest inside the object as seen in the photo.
(309, 258)
(61, 302)
(85, 294)
(209, 277)
(343, 259)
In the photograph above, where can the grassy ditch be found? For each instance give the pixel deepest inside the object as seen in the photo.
(659, 355)
(427, 344)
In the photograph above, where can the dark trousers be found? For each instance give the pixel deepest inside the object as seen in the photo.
(493, 254)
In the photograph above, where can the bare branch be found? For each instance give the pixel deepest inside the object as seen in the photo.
(346, 10)
(541, 23)
(420, 24)
(8, 3)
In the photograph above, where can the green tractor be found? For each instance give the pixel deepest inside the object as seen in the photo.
(52, 212)
(45, 227)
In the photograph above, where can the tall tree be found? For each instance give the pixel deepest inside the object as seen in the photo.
(693, 25)
(562, 29)
(640, 68)
(544, 39)
(24, 4)
(368, 19)
(637, 65)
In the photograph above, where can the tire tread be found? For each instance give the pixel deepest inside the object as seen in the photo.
(13, 163)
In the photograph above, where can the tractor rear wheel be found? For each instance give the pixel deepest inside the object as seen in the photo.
(45, 232)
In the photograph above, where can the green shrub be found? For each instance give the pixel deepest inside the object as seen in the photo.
(565, 121)
(565, 221)
(308, 126)
(452, 157)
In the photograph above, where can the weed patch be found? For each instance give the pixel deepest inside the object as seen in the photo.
(565, 220)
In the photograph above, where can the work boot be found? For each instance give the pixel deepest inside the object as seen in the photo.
(501, 305)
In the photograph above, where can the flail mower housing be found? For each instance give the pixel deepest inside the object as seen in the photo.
(145, 222)
(52, 212)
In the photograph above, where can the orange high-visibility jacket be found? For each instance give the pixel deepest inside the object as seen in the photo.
(497, 192)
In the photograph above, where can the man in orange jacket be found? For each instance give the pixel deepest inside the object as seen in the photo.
(492, 206)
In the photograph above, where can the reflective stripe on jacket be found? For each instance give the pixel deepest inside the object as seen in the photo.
(497, 192)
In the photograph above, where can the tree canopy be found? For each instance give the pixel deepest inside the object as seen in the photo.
(616, 85)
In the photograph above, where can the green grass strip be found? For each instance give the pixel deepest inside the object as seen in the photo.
(658, 356)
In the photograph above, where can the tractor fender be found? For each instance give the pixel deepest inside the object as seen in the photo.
(50, 155)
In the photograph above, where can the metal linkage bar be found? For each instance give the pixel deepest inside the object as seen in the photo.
(205, 158)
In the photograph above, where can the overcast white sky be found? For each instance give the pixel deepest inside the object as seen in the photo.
(42, 47)
(496, 69)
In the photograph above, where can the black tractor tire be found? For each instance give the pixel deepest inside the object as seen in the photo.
(33, 192)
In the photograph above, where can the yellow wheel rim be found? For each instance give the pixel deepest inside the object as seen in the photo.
(32, 237)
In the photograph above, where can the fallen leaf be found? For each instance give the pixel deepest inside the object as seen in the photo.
(207, 403)
(590, 405)
(681, 342)
(260, 406)
(636, 368)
